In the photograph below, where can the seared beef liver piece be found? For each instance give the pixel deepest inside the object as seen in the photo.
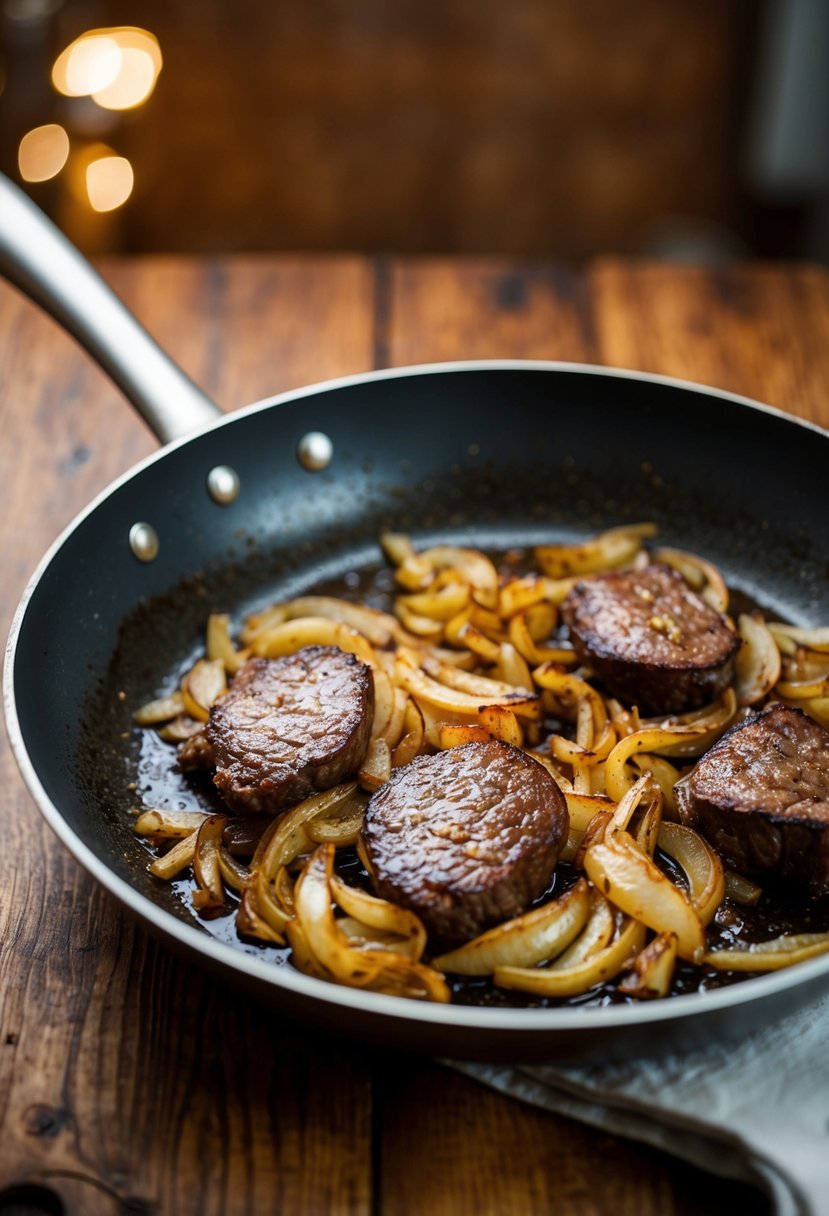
(466, 838)
(287, 728)
(650, 639)
(761, 796)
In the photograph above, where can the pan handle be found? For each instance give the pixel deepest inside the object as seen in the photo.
(38, 258)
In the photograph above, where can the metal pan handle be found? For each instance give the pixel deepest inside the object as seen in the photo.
(37, 258)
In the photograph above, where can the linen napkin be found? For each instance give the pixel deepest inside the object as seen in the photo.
(755, 1109)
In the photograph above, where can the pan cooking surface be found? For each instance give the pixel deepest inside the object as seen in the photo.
(492, 457)
(156, 781)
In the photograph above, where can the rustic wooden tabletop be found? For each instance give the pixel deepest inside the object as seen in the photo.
(130, 1082)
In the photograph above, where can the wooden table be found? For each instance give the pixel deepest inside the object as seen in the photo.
(130, 1083)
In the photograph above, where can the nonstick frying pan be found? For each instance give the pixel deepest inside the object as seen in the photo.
(293, 491)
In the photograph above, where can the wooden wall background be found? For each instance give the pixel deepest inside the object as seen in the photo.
(546, 127)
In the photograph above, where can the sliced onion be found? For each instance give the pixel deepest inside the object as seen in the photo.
(380, 969)
(512, 668)
(475, 568)
(339, 830)
(180, 729)
(788, 637)
(220, 646)
(292, 636)
(701, 865)
(421, 626)
(169, 825)
(758, 660)
(741, 889)
(573, 980)
(501, 723)
(380, 914)
(233, 873)
(439, 605)
(633, 883)
(376, 767)
(202, 687)
(480, 687)
(529, 939)
(595, 937)
(384, 704)
(653, 969)
(609, 549)
(413, 740)
(179, 857)
(427, 690)
(521, 593)
(659, 739)
(162, 709)
(772, 955)
(457, 735)
(210, 894)
(523, 641)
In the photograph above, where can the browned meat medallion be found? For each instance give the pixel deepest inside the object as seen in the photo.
(650, 639)
(466, 838)
(761, 796)
(286, 728)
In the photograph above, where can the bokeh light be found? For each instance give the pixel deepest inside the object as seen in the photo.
(109, 182)
(43, 152)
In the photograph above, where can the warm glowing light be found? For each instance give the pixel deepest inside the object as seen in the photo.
(42, 153)
(88, 64)
(109, 182)
(118, 67)
(132, 85)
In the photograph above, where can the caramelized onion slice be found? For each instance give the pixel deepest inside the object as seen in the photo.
(292, 636)
(202, 687)
(633, 883)
(169, 825)
(220, 646)
(424, 688)
(772, 955)
(162, 709)
(179, 857)
(653, 969)
(609, 549)
(651, 739)
(380, 914)
(474, 567)
(701, 865)
(380, 969)
(376, 767)
(576, 978)
(741, 890)
(529, 939)
(758, 660)
(789, 637)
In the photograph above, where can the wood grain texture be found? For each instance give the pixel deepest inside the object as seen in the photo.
(130, 1082)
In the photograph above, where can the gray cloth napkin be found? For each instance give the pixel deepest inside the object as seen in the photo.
(756, 1110)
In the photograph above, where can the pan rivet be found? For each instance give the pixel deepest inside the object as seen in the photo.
(315, 451)
(144, 542)
(223, 484)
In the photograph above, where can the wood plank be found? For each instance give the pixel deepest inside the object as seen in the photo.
(759, 330)
(128, 1080)
(452, 1146)
(433, 309)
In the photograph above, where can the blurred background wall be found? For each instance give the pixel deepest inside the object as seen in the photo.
(554, 128)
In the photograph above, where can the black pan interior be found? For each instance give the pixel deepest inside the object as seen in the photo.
(487, 457)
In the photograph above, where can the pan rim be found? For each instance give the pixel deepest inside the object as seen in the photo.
(549, 1021)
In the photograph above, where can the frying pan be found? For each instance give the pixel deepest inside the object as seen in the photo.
(285, 494)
